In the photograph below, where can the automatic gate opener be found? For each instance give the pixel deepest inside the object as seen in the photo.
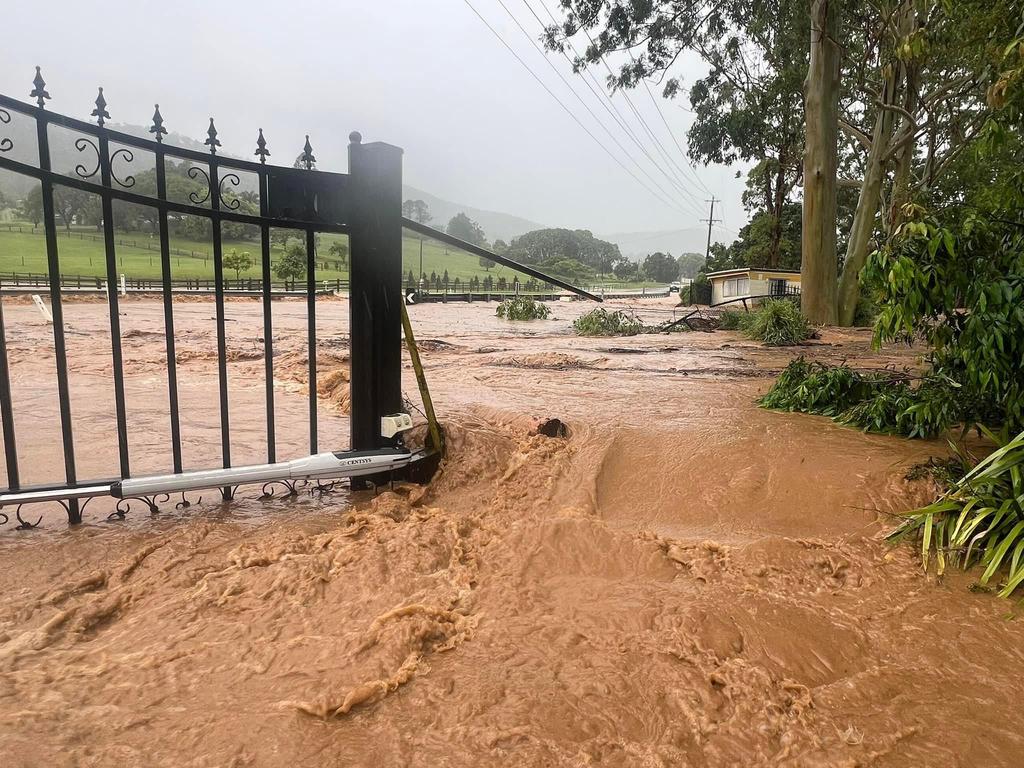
(318, 466)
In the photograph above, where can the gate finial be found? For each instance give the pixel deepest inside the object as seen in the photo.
(39, 93)
(101, 109)
(158, 124)
(307, 155)
(261, 148)
(212, 142)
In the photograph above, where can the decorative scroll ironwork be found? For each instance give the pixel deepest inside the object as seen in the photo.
(291, 488)
(6, 145)
(185, 503)
(230, 203)
(129, 181)
(80, 144)
(261, 148)
(26, 525)
(158, 125)
(101, 109)
(323, 489)
(39, 93)
(195, 171)
(124, 506)
(306, 158)
(212, 141)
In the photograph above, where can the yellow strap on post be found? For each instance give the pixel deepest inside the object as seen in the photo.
(421, 381)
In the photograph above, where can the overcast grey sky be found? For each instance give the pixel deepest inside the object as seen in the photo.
(428, 76)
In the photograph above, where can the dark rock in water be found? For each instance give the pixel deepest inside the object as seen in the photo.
(552, 428)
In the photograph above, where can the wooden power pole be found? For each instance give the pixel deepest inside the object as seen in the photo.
(710, 220)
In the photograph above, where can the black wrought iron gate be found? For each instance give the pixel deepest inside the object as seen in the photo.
(364, 204)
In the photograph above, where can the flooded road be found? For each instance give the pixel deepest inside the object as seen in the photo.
(685, 580)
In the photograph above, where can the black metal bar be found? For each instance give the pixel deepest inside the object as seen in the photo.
(7, 411)
(81, 126)
(340, 228)
(268, 326)
(375, 275)
(222, 354)
(168, 301)
(57, 312)
(311, 331)
(113, 306)
(476, 250)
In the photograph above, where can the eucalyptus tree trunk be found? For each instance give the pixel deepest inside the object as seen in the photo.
(905, 154)
(864, 219)
(778, 204)
(867, 204)
(821, 101)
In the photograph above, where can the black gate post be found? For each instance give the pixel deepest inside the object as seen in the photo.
(375, 291)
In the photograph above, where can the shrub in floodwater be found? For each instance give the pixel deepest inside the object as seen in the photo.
(979, 520)
(811, 387)
(924, 411)
(777, 323)
(730, 320)
(522, 308)
(601, 322)
(874, 401)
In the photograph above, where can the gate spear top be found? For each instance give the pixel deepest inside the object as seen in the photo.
(307, 155)
(39, 93)
(212, 142)
(158, 125)
(261, 148)
(101, 109)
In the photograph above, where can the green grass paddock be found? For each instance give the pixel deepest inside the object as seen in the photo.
(81, 252)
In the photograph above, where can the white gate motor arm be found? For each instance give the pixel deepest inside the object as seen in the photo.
(332, 465)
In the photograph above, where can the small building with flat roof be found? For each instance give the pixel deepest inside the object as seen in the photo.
(748, 285)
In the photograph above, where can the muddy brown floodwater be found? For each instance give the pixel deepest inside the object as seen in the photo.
(685, 580)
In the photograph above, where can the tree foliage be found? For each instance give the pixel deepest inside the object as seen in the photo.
(551, 246)
(292, 265)
(417, 210)
(339, 252)
(661, 268)
(464, 228)
(239, 262)
(690, 264)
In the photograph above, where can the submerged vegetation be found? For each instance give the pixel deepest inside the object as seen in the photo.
(979, 520)
(522, 308)
(777, 323)
(730, 320)
(601, 322)
(875, 401)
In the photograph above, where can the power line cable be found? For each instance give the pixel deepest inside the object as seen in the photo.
(565, 108)
(672, 135)
(639, 117)
(605, 100)
(584, 103)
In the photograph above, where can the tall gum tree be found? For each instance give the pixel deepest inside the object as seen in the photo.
(821, 160)
(904, 79)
